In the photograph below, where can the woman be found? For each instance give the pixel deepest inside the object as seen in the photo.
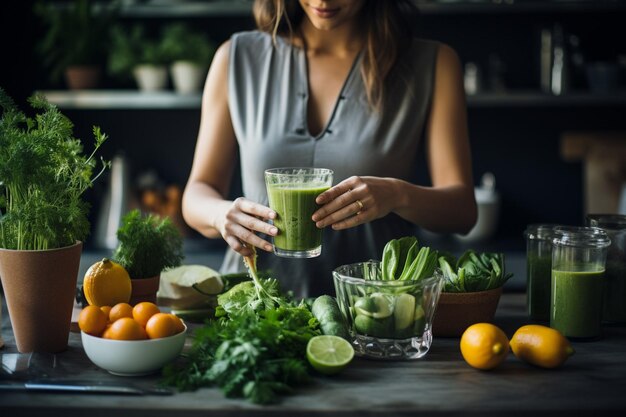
(339, 84)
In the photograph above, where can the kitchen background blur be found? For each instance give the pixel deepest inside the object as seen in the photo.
(545, 83)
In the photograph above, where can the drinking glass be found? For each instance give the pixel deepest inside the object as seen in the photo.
(614, 308)
(578, 263)
(292, 193)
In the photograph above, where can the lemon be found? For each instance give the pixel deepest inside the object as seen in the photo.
(329, 354)
(484, 346)
(106, 283)
(541, 346)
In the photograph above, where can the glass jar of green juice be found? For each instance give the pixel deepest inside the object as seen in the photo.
(538, 270)
(614, 307)
(577, 284)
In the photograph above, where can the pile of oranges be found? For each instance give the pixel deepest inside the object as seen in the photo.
(125, 322)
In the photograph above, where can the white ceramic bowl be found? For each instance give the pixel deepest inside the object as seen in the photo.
(133, 357)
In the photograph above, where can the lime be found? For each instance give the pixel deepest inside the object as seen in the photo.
(329, 354)
(376, 305)
(369, 326)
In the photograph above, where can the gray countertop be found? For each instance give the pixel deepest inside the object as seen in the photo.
(592, 382)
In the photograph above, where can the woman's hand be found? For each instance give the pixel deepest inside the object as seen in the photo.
(241, 222)
(355, 201)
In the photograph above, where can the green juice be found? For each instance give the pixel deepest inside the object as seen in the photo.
(538, 292)
(576, 307)
(294, 207)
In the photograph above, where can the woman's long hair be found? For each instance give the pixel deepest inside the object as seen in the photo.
(388, 30)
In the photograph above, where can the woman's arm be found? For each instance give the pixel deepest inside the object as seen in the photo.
(449, 205)
(205, 207)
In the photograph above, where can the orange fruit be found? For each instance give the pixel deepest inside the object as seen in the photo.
(180, 326)
(106, 283)
(126, 329)
(106, 334)
(143, 311)
(484, 346)
(161, 325)
(106, 310)
(120, 310)
(541, 346)
(92, 320)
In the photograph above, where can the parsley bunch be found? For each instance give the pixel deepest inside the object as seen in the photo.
(256, 348)
(43, 174)
(254, 356)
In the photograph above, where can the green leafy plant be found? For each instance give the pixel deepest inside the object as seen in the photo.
(43, 175)
(403, 259)
(76, 34)
(131, 47)
(148, 244)
(473, 272)
(181, 43)
(255, 349)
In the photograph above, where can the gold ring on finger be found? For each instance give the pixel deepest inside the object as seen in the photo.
(360, 204)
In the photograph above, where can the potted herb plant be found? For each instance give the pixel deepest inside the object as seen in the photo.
(43, 219)
(135, 54)
(148, 244)
(75, 42)
(189, 52)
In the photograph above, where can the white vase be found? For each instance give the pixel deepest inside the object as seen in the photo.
(150, 77)
(187, 76)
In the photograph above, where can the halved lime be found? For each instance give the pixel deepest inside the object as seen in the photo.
(329, 354)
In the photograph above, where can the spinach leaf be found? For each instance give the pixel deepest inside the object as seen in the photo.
(403, 259)
(473, 271)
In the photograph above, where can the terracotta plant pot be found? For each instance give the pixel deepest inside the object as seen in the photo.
(39, 288)
(81, 77)
(144, 289)
(457, 311)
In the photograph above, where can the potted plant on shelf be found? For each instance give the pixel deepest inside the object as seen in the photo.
(135, 54)
(43, 219)
(148, 244)
(75, 42)
(189, 53)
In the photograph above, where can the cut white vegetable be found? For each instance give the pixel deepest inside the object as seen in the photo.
(189, 286)
(404, 311)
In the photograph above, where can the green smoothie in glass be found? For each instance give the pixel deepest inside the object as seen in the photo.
(291, 193)
(577, 303)
(578, 265)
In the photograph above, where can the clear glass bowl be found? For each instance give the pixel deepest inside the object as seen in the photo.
(387, 319)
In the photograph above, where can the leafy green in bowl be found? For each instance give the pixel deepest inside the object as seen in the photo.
(473, 272)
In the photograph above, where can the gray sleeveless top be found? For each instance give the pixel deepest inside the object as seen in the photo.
(268, 95)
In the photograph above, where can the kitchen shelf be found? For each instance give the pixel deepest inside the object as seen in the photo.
(518, 6)
(538, 99)
(243, 8)
(131, 99)
(122, 99)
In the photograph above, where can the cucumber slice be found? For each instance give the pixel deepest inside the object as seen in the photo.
(404, 311)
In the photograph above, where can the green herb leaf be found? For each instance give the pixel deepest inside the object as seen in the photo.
(43, 175)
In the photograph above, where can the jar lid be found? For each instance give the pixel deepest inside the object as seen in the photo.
(581, 236)
(540, 231)
(607, 221)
